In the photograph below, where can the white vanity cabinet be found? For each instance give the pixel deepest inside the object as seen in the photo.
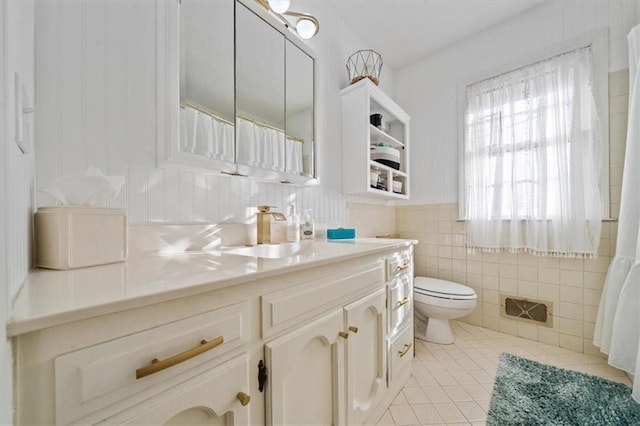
(322, 332)
(332, 370)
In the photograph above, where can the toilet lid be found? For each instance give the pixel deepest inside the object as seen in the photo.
(442, 288)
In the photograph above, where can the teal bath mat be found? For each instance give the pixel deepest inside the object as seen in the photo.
(529, 393)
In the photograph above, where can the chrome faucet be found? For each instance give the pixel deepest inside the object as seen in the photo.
(264, 223)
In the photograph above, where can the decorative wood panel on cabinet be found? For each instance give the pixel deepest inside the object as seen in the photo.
(306, 368)
(217, 397)
(332, 371)
(102, 378)
(366, 355)
(375, 158)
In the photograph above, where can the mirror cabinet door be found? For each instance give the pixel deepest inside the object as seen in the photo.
(260, 95)
(300, 132)
(246, 94)
(207, 94)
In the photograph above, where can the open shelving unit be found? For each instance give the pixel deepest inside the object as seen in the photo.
(362, 174)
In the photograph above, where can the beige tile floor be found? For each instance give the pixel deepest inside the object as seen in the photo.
(451, 384)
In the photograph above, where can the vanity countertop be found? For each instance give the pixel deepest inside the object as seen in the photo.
(50, 298)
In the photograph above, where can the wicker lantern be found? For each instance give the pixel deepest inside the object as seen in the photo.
(364, 64)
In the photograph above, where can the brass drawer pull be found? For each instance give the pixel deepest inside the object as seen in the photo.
(403, 302)
(403, 267)
(353, 328)
(404, 351)
(243, 398)
(157, 365)
(344, 334)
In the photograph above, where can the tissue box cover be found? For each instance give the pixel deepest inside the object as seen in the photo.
(341, 233)
(75, 237)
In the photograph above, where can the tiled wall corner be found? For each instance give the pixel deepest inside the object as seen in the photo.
(618, 112)
(370, 220)
(574, 286)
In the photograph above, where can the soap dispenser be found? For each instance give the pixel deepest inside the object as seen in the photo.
(307, 229)
(293, 225)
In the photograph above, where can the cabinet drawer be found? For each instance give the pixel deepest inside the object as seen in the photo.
(400, 301)
(212, 395)
(399, 263)
(93, 378)
(289, 307)
(401, 352)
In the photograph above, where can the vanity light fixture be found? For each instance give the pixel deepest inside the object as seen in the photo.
(279, 6)
(306, 25)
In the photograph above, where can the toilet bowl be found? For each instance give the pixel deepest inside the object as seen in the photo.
(435, 303)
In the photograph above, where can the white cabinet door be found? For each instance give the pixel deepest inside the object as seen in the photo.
(366, 355)
(215, 397)
(306, 374)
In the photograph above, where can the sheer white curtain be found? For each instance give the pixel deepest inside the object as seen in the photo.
(260, 146)
(205, 135)
(617, 331)
(532, 156)
(294, 156)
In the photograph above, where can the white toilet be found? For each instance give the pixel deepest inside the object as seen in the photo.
(435, 303)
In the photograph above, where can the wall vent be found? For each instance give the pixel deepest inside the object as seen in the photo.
(528, 310)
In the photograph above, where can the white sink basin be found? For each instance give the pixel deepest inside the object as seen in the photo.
(270, 251)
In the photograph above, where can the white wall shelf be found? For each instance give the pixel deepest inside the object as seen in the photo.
(362, 174)
(378, 136)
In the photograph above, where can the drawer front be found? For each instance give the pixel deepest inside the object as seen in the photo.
(400, 302)
(284, 309)
(400, 263)
(212, 395)
(401, 352)
(93, 378)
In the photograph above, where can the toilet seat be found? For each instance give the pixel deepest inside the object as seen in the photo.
(435, 303)
(443, 289)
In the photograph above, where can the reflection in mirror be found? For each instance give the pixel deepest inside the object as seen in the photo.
(260, 80)
(207, 79)
(299, 104)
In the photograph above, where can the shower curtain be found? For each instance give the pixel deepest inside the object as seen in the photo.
(617, 331)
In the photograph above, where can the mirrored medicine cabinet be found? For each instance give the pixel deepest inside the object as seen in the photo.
(240, 91)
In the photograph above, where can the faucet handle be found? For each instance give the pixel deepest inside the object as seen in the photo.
(266, 209)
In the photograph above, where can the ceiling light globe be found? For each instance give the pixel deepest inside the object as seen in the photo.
(306, 28)
(279, 6)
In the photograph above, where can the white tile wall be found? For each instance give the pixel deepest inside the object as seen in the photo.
(371, 220)
(96, 107)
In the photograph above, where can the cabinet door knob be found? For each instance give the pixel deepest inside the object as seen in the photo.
(353, 328)
(243, 398)
(343, 334)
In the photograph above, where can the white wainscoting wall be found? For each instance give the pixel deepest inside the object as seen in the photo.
(17, 174)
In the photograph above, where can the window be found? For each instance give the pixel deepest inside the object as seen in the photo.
(532, 158)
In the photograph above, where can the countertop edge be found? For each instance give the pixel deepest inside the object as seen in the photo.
(19, 326)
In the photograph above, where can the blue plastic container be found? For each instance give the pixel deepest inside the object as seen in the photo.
(341, 233)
